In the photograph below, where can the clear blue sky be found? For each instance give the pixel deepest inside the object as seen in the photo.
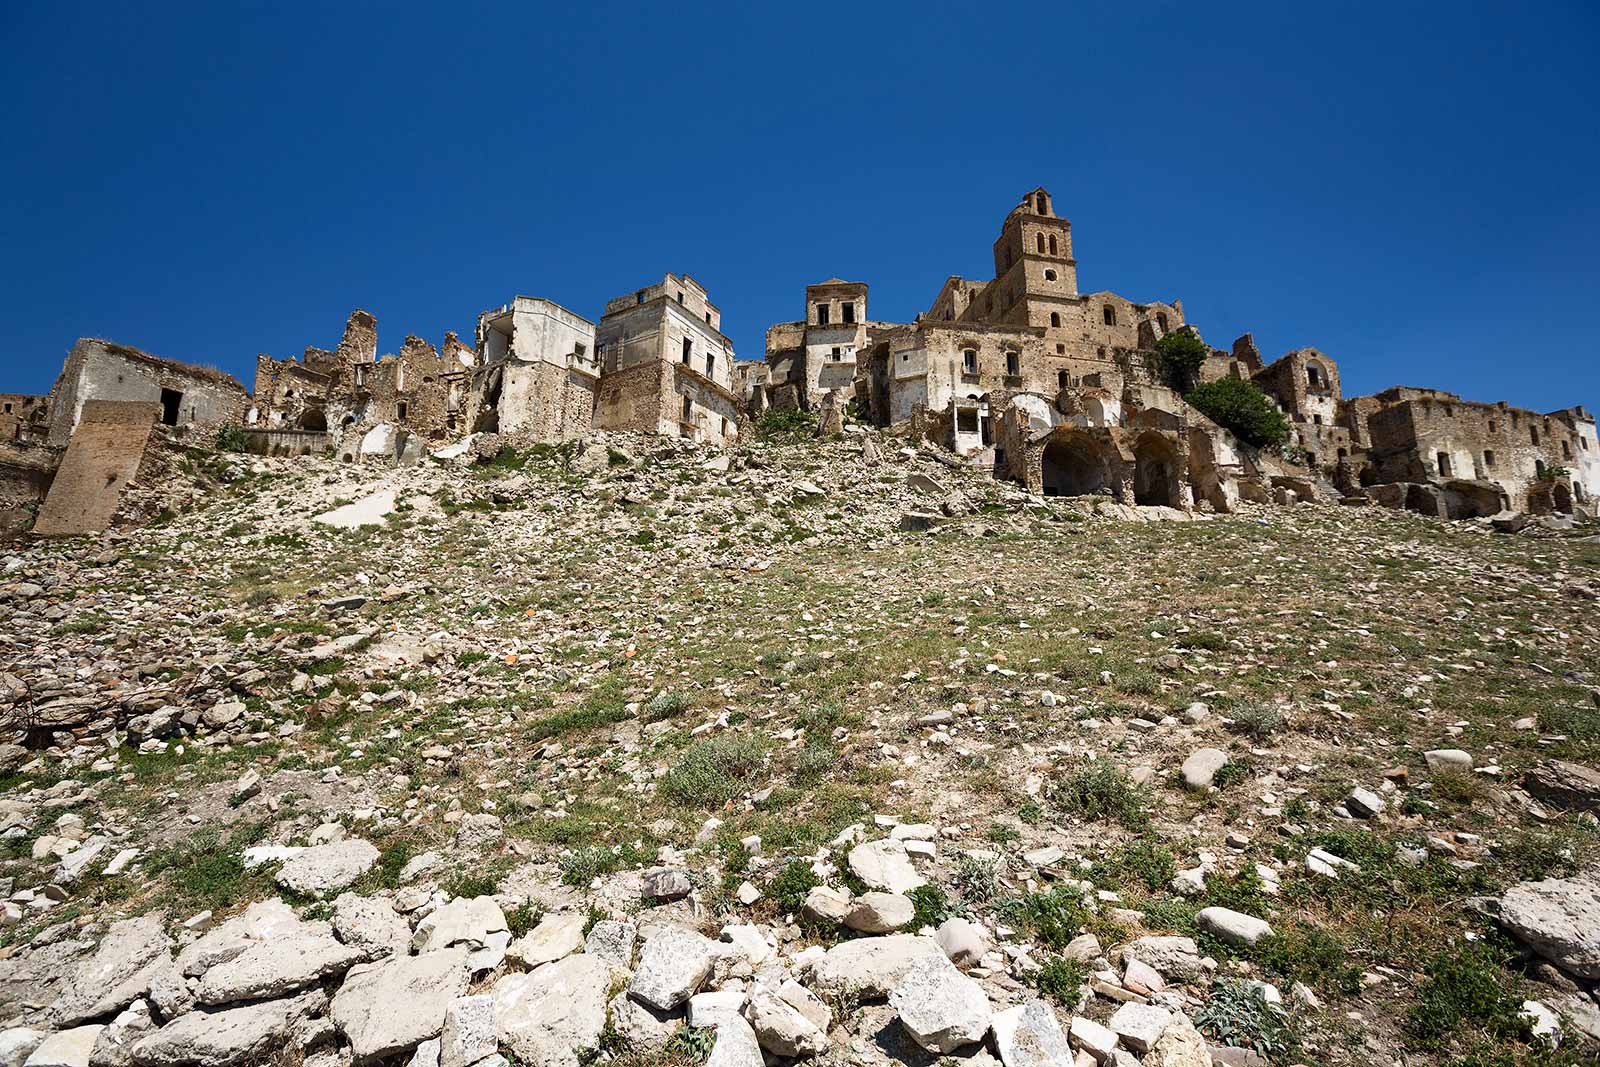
(1410, 187)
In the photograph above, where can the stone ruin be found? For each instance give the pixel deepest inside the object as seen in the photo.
(1056, 390)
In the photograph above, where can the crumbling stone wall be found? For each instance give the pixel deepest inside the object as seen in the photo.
(187, 396)
(24, 418)
(1434, 436)
(103, 457)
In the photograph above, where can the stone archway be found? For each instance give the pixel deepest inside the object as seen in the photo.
(1075, 466)
(1155, 471)
(314, 419)
(1561, 496)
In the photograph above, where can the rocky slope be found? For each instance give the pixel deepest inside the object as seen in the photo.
(825, 751)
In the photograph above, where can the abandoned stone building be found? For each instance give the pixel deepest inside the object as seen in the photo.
(186, 396)
(536, 371)
(665, 365)
(24, 417)
(335, 398)
(809, 358)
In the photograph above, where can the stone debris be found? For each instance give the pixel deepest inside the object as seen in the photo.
(941, 1008)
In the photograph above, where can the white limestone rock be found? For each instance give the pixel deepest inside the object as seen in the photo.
(880, 913)
(392, 1005)
(273, 968)
(241, 1035)
(613, 941)
(119, 971)
(1139, 1026)
(325, 869)
(556, 937)
(884, 864)
(1559, 918)
(1029, 1035)
(1234, 927)
(553, 1016)
(66, 1048)
(1201, 768)
(790, 1020)
(941, 1008)
(871, 966)
(370, 924)
(673, 964)
(469, 1033)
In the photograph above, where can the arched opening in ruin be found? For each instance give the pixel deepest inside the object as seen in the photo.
(1155, 471)
(1562, 497)
(314, 419)
(1074, 466)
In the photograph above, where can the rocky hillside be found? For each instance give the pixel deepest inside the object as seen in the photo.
(830, 752)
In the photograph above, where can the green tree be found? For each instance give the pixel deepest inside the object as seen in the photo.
(1242, 407)
(1181, 355)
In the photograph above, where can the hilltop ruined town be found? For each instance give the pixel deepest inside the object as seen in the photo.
(1032, 684)
(1021, 375)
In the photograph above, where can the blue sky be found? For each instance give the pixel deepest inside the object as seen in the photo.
(1410, 187)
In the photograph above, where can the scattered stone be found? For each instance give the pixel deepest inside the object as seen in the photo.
(1364, 803)
(1139, 1026)
(789, 1021)
(1201, 768)
(965, 943)
(120, 971)
(1236, 928)
(1559, 918)
(612, 941)
(1564, 784)
(871, 967)
(556, 937)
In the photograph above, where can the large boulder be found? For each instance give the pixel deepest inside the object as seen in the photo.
(871, 966)
(264, 920)
(1559, 918)
(736, 1046)
(273, 968)
(941, 1008)
(553, 1016)
(67, 1048)
(1234, 927)
(673, 964)
(1201, 768)
(395, 1004)
(371, 925)
(248, 1034)
(127, 958)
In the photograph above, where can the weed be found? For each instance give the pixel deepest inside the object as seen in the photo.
(1259, 721)
(1054, 917)
(713, 771)
(1097, 789)
(1144, 861)
(977, 880)
(1238, 1015)
(1061, 979)
(1466, 987)
(792, 884)
(932, 906)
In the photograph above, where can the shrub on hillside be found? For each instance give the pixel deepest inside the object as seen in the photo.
(1241, 407)
(1180, 356)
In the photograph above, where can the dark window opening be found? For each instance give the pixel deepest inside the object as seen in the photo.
(688, 410)
(680, 298)
(1444, 464)
(966, 420)
(170, 400)
(969, 362)
(639, 296)
(1566, 449)
(1039, 243)
(400, 412)
(1013, 363)
(711, 363)
(1061, 379)
(1049, 275)
(1055, 318)
(688, 349)
(1109, 313)
(1488, 458)
(1317, 419)
(837, 355)
(1043, 205)
(1533, 432)
(1491, 426)
(1161, 320)
(822, 314)
(724, 427)
(1052, 244)
(849, 311)
(1061, 350)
